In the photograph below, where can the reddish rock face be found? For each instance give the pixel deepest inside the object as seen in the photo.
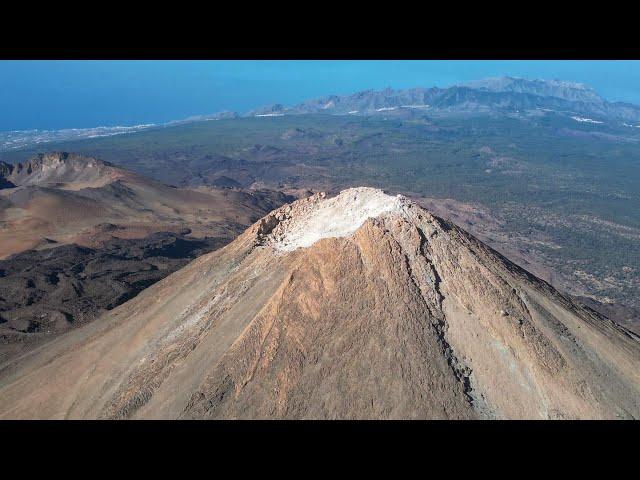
(402, 316)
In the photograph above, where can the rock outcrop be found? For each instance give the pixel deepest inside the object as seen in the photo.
(60, 168)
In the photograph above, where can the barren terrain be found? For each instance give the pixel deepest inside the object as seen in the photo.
(61, 198)
(80, 236)
(401, 315)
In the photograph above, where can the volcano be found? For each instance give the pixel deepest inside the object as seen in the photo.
(360, 306)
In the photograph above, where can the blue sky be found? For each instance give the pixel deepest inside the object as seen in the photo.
(79, 94)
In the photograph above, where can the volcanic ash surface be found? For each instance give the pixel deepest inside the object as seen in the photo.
(305, 222)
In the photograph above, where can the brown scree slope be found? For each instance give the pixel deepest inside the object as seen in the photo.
(408, 316)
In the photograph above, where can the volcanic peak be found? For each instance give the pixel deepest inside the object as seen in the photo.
(306, 221)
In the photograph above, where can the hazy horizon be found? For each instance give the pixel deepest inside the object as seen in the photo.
(52, 95)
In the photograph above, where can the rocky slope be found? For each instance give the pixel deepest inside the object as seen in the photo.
(48, 292)
(359, 306)
(80, 236)
(62, 198)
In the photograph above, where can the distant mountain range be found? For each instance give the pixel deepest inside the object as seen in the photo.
(493, 95)
(498, 96)
(577, 92)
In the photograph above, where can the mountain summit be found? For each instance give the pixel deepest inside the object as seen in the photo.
(59, 169)
(571, 91)
(363, 305)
